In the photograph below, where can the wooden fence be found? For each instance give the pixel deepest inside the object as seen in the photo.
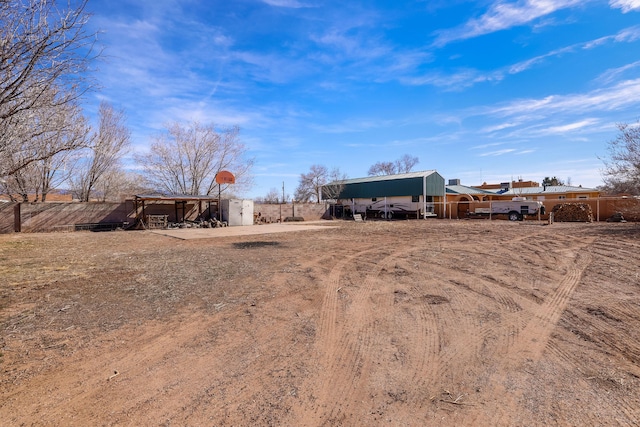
(72, 216)
(602, 207)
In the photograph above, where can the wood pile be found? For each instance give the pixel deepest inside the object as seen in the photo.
(572, 212)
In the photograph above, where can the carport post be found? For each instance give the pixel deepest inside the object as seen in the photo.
(424, 197)
(444, 198)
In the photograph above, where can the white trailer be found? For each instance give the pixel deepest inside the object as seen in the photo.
(516, 209)
(392, 207)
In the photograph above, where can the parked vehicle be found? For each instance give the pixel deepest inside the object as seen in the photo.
(392, 207)
(516, 209)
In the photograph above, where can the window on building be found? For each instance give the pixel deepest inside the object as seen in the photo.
(562, 197)
(374, 199)
(415, 199)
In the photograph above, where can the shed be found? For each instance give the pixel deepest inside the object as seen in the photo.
(237, 211)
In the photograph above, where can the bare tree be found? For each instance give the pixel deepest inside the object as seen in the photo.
(319, 183)
(382, 168)
(19, 185)
(406, 163)
(403, 165)
(309, 187)
(43, 56)
(109, 144)
(186, 159)
(42, 149)
(35, 181)
(334, 186)
(622, 167)
(273, 196)
(37, 134)
(116, 185)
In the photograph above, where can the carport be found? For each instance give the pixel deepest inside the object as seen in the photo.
(146, 219)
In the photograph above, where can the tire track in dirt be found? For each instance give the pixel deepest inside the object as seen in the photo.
(590, 380)
(356, 344)
(350, 349)
(421, 359)
(548, 313)
(327, 333)
(457, 322)
(531, 342)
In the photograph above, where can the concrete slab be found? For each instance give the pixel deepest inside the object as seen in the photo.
(209, 233)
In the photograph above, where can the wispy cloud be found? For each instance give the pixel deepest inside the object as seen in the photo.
(614, 74)
(502, 15)
(463, 79)
(498, 152)
(623, 94)
(295, 4)
(483, 146)
(498, 127)
(569, 127)
(625, 5)
(355, 125)
(454, 81)
(627, 35)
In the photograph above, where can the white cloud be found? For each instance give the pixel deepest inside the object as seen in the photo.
(502, 15)
(570, 126)
(498, 152)
(488, 145)
(455, 81)
(623, 94)
(630, 34)
(295, 4)
(499, 127)
(625, 5)
(463, 79)
(614, 73)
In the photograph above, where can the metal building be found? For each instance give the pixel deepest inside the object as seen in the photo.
(413, 194)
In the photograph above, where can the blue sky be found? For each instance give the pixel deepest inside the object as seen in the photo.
(484, 91)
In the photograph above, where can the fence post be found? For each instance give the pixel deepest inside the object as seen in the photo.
(17, 218)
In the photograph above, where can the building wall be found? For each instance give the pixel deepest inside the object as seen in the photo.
(278, 212)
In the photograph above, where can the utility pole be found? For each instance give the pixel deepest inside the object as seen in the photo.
(283, 192)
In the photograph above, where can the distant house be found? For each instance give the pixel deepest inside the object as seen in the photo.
(460, 197)
(534, 191)
(508, 190)
(551, 192)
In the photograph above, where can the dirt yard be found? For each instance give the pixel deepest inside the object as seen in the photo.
(406, 323)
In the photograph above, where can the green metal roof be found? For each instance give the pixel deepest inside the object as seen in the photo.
(405, 184)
